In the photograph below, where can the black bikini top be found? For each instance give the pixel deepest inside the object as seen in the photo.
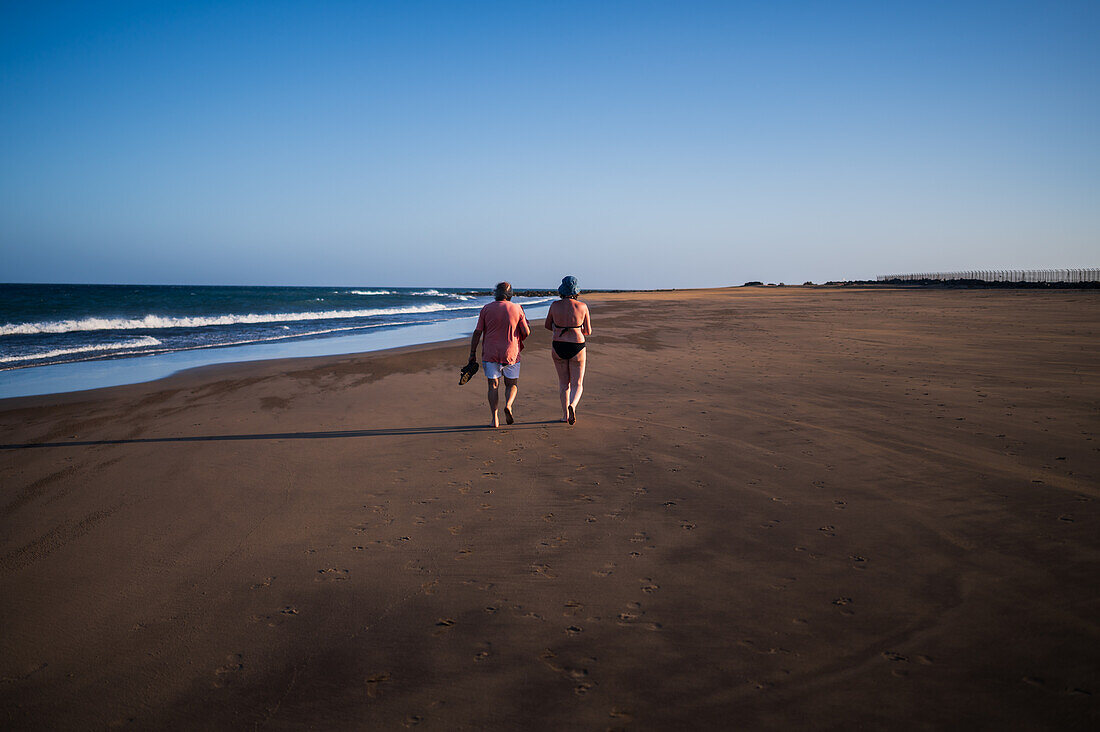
(566, 327)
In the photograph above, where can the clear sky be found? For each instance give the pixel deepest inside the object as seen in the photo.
(633, 144)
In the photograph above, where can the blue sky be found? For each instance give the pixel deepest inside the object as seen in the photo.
(634, 144)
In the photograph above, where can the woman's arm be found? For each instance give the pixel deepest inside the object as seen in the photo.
(549, 324)
(586, 324)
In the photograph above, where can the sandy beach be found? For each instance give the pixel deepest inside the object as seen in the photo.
(787, 508)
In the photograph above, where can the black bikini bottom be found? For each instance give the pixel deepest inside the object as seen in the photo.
(566, 349)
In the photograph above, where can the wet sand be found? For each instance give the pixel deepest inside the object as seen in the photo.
(796, 508)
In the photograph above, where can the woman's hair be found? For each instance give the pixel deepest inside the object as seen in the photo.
(503, 291)
(568, 287)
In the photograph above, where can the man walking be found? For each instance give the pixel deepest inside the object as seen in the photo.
(504, 327)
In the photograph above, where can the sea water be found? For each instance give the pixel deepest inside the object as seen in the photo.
(56, 338)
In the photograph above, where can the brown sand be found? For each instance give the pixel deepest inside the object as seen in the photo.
(779, 509)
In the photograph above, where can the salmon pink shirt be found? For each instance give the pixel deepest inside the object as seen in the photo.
(503, 327)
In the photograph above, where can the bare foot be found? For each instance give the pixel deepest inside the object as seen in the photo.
(508, 415)
(572, 419)
(496, 422)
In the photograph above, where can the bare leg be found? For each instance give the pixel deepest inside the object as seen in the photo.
(576, 380)
(511, 389)
(562, 367)
(494, 399)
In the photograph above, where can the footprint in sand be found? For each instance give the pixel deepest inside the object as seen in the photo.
(639, 537)
(574, 630)
(648, 585)
(687, 525)
(374, 684)
(605, 570)
(335, 574)
(265, 583)
(443, 625)
(828, 530)
(572, 607)
(412, 720)
(543, 570)
(235, 664)
(841, 505)
(632, 612)
(783, 583)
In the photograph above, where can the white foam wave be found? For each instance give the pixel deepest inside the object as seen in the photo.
(195, 347)
(161, 321)
(143, 342)
(371, 292)
(437, 293)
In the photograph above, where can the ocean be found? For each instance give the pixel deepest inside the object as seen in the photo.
(43, 327)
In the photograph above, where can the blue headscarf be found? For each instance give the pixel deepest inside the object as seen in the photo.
(568, 287)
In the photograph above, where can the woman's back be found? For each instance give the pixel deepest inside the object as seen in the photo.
(569, 317)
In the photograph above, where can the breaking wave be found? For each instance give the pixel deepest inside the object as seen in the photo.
(161, 321)
(437, 293)
(144, 342)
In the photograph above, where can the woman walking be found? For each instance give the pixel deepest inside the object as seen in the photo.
(569, 321)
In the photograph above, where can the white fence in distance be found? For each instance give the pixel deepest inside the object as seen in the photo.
(1004, 275)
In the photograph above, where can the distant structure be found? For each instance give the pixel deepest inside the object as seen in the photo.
(1003, 275)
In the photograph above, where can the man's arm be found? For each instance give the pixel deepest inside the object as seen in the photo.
(473, 344)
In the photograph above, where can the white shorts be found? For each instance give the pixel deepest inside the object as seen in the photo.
(493, 370)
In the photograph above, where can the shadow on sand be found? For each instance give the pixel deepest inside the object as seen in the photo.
(327, 435)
